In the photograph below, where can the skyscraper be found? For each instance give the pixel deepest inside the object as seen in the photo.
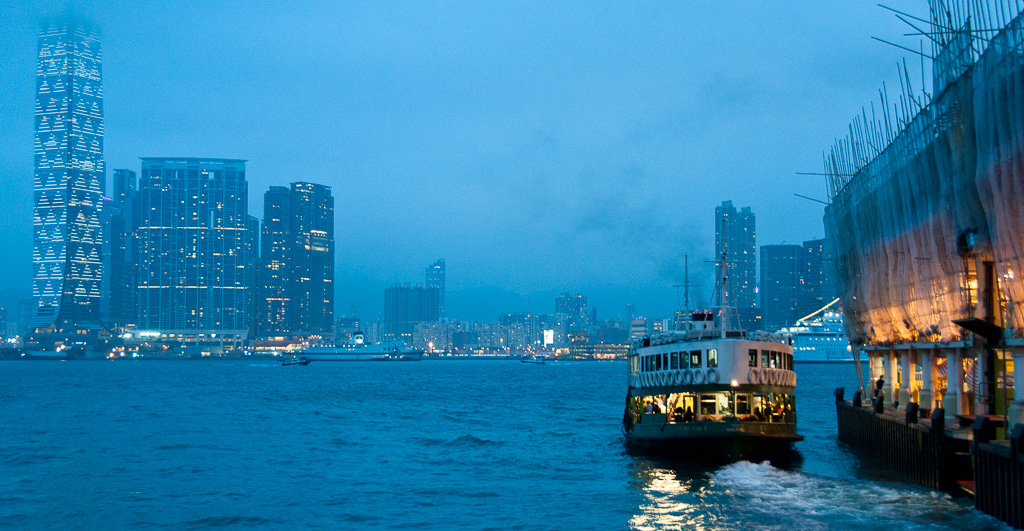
(734, 235)
(435, 279)
(119, 257)
(405, 307)
(69, 177)
(274, 301)
(780, 280)
(818, 279)
(297, 270)
(312, 258)
(193, 246)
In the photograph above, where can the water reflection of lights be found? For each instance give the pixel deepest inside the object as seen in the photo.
(670, 503)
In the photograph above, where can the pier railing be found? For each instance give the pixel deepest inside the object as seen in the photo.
(916, 450)
(999, 473)
(968, 461)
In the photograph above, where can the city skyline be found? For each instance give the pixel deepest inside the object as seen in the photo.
(534, 241)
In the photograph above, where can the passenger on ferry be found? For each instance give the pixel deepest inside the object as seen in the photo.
(649, 408)
(677, 414)
(688, 416)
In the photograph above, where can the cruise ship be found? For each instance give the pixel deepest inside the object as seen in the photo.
(819, 338)
(359, 350)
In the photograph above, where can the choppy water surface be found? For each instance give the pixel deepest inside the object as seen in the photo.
(430, 445)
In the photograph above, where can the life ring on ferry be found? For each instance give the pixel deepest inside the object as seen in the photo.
(775, 377)
(662, 378)
(687, 377)
(643, 380)
(753, 376)
(712, 376)
(679, 377)
(764, 376)
(698, 377)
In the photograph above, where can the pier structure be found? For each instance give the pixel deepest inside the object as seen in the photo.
(926, 195)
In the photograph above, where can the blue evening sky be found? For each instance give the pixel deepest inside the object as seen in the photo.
(536, 146)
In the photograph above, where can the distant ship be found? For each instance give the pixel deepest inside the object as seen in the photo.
(819, 338)
(358, 350)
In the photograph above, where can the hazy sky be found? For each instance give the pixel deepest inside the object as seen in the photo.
(537, 147)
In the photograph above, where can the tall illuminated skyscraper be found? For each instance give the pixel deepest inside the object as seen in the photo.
(69, 177)
(297, 270)
(194, 246)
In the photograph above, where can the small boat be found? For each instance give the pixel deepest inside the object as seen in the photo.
(538, 360)
(295, 361)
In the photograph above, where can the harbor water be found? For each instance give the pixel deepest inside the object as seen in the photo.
(427, 445)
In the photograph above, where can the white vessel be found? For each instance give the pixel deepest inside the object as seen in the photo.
(361, 351)
(711, 391)
(819, 338)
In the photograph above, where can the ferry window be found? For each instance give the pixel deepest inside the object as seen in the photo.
(695, 359)
(657, 362)
(774, 359)
(643, 363)
(752, 355)
(675, 360)
(684, 360)
(664, 361)
(789, 362)
(707, 405)
(764, 358)
(712, 357)
(742, 405)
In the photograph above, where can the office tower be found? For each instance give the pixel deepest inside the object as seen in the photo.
(69, 177)
(3, 322)
(405, 307)
(780, 281)
(734, 235)
(312, 259)
(435, 279)
(120, 250)
(193, 246)
(297, 271)
(818, 279)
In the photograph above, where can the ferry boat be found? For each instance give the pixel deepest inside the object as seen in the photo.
(819, 338)
(359, 350)
(709, 391)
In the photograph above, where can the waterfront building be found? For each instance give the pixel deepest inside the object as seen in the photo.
(344, 328)
(780, 283)
(3, 322)
(405, 307)
(734, 236)
(817, 276)
(435, 279)
(297, 261)
(69, 177)
(924, 214)
(194, 247)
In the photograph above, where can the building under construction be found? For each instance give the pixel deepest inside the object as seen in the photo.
(927, 215)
